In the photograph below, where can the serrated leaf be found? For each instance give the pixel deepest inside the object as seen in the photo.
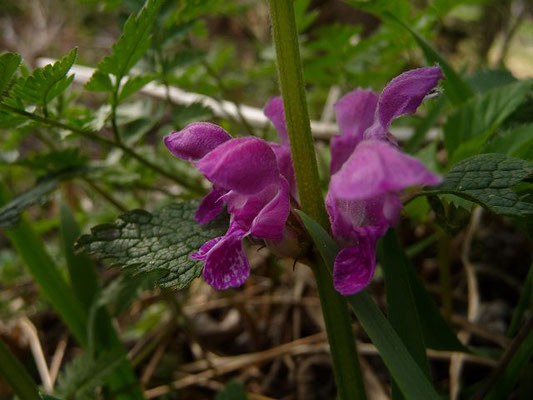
(133, 85)
(10, 213)
(473, 123)
(99, 82)
(85, 373)
(488, 179)
(9, 62)
(133, 42)
(513, 142)
(160, 241)
(46, 83)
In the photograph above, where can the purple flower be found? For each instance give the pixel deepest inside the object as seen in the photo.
(369, 172)
(249, 177)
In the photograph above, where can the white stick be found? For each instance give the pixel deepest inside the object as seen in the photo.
(224, 108)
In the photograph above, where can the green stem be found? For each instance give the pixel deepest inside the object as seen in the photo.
(350, 384)
(295, 105)
(16, 375)
(184, 181)
(334, 307)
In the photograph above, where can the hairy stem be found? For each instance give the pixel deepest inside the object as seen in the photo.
(334, 307)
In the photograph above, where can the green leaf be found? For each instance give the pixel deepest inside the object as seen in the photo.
(30, 248)
(16, 375)
(132, 44)
(133, 85)
(102, 336)
(488, 179)
(85, 373)
(436, 332)
(99, 82)
(454, 86)
(513, 142)
(403, 368)
(10, 213)
(505, 383)
(234, 390)
(46, 83)
(9, 63)
(424, 126)
(159, 241)
(524, 303)
(487, 79)
(402, 309)
(478, 119)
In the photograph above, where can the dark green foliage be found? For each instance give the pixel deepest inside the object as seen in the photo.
(469, 127)
(488, 179)
(10, 213)
(129, 49)
(85, 373)
(403, 368)
(234, 390)
(9, 62)
(48, 82)
(159, 241)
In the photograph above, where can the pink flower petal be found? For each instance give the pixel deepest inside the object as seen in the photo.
(245, 165)
(376, 168)
(274, 111)
(226, 264)
(354, 266)
(195, 140)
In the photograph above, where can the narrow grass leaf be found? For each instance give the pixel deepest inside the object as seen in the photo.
(101, 335)
(402, 310)
(16, 375)
(525, 302)
(412, 382)
(455, 87)
(46, 274)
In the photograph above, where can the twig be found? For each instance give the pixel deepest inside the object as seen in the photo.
(55, 364)
(456, 362)
(31, 334)
(253, 115)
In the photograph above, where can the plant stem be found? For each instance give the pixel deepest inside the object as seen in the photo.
(295, 105)
(16, 376)
(334, 307)
(184, 181)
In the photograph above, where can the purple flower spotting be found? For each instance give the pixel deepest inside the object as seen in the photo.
(252, 178)
(255, 181)
(369, 172)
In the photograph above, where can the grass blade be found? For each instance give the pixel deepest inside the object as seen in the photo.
(455, 86)
(45, 273)
(412, 382)
(85, 284)
(16, 375)
(402, 309)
